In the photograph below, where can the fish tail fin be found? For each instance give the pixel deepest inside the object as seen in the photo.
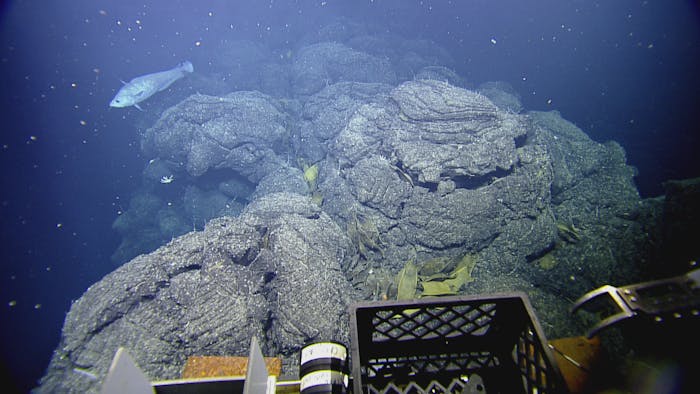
(186, 66)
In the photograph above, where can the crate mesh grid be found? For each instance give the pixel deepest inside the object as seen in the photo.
(456, 386)
(449, 362)
(531, 361)
(440, 322)
(514, 359)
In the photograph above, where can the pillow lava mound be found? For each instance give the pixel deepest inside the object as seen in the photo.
(417, 172)
(242, 131)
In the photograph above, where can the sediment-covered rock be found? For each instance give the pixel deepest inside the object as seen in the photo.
(273, 273)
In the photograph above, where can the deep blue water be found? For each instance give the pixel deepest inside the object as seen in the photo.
(621, 70)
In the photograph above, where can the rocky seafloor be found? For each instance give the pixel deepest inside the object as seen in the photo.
(300, 187)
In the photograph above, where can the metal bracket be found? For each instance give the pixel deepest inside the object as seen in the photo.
(677, 297)
(125, 376)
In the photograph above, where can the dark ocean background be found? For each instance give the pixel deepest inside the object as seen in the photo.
(620, 70)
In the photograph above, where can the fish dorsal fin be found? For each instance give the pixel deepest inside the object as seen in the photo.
(122, 81)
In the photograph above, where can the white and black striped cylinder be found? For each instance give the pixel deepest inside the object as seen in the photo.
(324, 368)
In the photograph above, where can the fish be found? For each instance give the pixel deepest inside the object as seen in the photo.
(145, 86)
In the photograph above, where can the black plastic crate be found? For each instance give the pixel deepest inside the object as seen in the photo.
(441, 345)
